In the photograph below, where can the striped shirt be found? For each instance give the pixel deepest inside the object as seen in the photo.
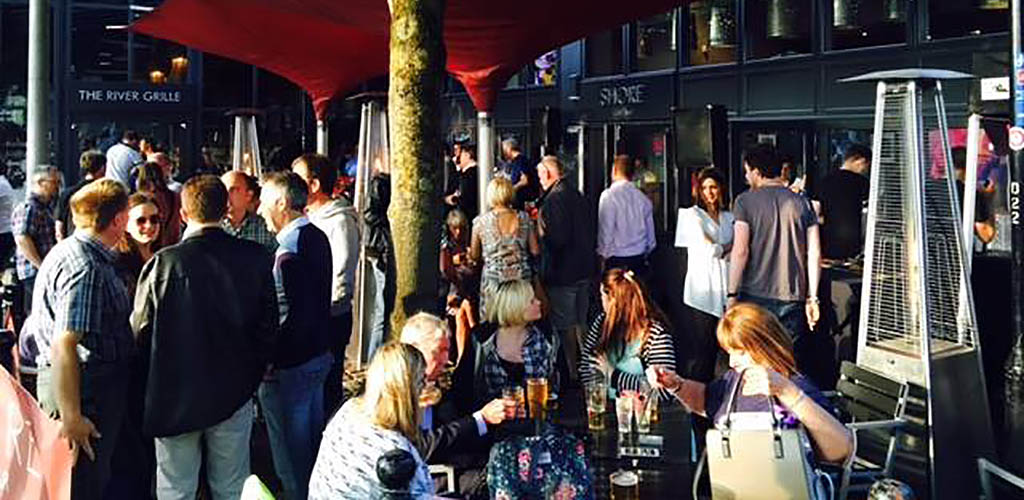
(658, 350)
(346, 464)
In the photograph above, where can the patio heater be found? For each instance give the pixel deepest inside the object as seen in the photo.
(245, 148)
(372, 153)
(917, 318)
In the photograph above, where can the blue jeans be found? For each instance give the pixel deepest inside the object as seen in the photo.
(293, 402)
(227, 459)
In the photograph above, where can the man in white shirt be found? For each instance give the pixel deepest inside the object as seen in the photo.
(121, 157)
(625, 216)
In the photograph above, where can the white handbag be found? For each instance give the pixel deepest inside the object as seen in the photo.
(751, 457)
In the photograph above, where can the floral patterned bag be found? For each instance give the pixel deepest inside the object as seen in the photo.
(550, 466)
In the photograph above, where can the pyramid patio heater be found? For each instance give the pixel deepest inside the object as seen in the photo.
(917, 319)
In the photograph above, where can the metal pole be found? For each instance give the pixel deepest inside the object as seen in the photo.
(485, 155)
(321, 137)
(1014, 368)
(970, 188)
(37, 146)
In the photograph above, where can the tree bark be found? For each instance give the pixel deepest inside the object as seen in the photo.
(414, 112)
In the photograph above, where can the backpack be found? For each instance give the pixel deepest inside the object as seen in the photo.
(552, 465)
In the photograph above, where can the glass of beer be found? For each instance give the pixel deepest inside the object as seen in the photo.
(537, 397)
(642, 410)
(624, 411)
(625, 485)
(514, 399)
(597, 397)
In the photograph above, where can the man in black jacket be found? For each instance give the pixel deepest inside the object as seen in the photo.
(292, 395)
(207, 305)
(567, 239)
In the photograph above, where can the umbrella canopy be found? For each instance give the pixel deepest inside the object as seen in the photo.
(328, 47)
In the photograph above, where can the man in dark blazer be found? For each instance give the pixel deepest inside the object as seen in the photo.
(208, 307)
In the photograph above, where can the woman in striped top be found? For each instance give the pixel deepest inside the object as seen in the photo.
(629, 339)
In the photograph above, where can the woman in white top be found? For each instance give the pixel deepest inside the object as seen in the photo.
(386, 417)
(706, 231)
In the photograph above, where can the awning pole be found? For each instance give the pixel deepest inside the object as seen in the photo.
(485, 155)
(321, 137)
(37, 146)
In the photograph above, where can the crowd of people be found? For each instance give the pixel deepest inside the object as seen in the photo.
(158, 315)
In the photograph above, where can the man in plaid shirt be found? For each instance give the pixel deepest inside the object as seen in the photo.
(35, 229)
(241, 220)
(86, 347)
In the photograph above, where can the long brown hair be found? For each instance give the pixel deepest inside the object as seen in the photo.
(630, 311)
(128, 245)
(757, 332)
(713, 174)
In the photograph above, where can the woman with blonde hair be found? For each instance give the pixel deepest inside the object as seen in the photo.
(386, 417)
(761, 350)
(519, 349)
(629, 338)
(504, 240)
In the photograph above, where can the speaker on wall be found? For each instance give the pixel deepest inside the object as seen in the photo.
(701, 140)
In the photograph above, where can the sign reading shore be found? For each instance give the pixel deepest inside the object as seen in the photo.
(130, 97)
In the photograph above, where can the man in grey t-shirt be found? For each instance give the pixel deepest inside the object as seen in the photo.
(776, 254)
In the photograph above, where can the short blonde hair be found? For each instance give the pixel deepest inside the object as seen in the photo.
(394, 381)
(507, 307)
(500, 193)
(95, 205)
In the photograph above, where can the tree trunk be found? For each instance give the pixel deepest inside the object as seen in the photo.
(414, 98)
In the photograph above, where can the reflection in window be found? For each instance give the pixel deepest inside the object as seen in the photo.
(604, 53)
(654, 42)
(779, 27)
(862, 23)
(158, 61)
(99, 44)
(712, 32)
(955, 18)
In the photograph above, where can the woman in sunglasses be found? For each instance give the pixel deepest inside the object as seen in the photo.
(141, 239)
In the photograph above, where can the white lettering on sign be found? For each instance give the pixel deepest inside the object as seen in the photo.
(623, 95)
(167, 96)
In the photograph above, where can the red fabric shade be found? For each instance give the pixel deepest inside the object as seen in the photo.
(328, 47)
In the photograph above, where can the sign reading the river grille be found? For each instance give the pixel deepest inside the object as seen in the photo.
(130, 96)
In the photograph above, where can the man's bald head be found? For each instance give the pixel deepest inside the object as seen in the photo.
(428, 334)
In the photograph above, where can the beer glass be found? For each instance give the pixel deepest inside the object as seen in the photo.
(624, 411)
(625, 485)
(514, 399)
(597, 395)
(537, 397)
(642, 409)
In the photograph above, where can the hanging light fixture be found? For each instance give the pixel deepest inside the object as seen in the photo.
(895, 11)
(722, 24)
(179, 68)
(157, 77)
(245, 150)
(845, 14)
(993, 4)
(783, 20)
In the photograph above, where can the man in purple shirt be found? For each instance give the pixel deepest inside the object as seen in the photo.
(625, 216)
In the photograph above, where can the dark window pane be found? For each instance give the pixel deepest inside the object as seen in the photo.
(863, 23)
(99, 44)
(778, 27)
(158, 61)
(712, 32)
(13, 83)
(604, 53)
(226, 83)
(954, 18)
(654, 42)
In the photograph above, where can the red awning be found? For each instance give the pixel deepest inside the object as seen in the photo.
(328, 47)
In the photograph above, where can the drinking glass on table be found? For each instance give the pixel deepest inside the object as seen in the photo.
(597, 397)
(642, 409)
(625, 485)
(624, 411)
(537, 397)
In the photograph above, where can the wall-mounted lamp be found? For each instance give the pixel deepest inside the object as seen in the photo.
(157, 77)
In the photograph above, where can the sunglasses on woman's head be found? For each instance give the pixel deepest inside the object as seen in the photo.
(152, 219)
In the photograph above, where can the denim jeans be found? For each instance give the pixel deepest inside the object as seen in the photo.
(377, 316)
(569, 307)
(227, 459)
(293, 403)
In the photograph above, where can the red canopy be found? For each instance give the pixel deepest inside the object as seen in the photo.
(328, 47)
